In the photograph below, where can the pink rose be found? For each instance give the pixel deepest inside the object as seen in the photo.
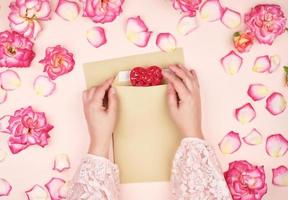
(57, 61)
(187, 6)
(102, 10)
(246, 181)
(15, 50)
(25, 16)
(266, 21)
(27, 127)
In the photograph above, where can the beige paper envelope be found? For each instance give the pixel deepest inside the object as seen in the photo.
(145, 139)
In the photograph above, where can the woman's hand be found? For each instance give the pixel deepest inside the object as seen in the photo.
(184, 100)
(100, 108)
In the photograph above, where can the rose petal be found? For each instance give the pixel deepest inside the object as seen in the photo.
(211, 10)
(4, 123)
(37, 192)
(96, 36)
(3, 95)
(231, 63)
(275, 63)
(280, 176)
(258, 91)
(54, 187)
(63, 191)
(187, 24)
(253, 138)
(230, 143)
(276, 103)
(10, 80)
(262, 64)
(5, 187)
(137, 31)
(3, 155)
(166, 42)
(276, 145)
(43, 86)
(231, 19)
(245, 113)
(68, 10)
(61, 162)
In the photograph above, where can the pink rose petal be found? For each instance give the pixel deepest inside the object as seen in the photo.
(230, 143)
(275, 63)
(262, 64)
(3, 155)
(166, 42)
(137, 31)
(63, 191)
(231, 63)
(3, 95)
(37, 192)
(253, 138)
(4, 123)
(187, 24)
(68, 10)
(276, 103)
(280, 176)
(5, 187)
(96, 36)
(61, 162)
(231, 18)
(54, 188)
(211, 10)
(43, 86)
(276, 145)
(10, 80)
(258, 91)
(245, 113)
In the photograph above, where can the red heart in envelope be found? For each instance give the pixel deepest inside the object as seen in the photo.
(150, 76)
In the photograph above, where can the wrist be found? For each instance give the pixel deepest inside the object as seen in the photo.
(99, 149)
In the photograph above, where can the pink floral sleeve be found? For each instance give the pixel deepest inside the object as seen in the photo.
(97, 179)
(196, 173)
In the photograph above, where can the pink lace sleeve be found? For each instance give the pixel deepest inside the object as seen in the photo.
(196, 173)
(97, 179)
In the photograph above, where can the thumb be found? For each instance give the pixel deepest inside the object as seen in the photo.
(112, 100)
(172, 97)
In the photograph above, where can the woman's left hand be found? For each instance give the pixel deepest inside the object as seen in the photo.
(100, 108)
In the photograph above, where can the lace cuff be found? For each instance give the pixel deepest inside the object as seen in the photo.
(196, 173)
(97, 179)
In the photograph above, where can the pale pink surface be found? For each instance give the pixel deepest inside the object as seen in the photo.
(64, 108)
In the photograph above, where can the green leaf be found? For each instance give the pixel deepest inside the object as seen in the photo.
(286, 69)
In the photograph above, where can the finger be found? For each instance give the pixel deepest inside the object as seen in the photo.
(100, 92)
(195, 77)
(177, 84)
(90, 92)
(112, 100)
(84, 95)
(183, 74)
(172, 97)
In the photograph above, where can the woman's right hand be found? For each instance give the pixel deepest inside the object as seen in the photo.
(184, 100)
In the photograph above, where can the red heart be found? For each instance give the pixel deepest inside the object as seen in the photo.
(140, 76)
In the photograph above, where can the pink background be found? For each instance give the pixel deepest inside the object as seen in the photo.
(203, 48)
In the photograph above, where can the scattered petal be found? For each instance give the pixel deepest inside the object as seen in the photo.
(137, 31)
(61, 162)
(54, 188)
(231, 63)
(43, 86)
(166, 42)
(10, 80)
(37, 192)
(276, 145)
(5, 187)
(253, 138)
(3, 95)
(245, 113)
(262, 64)
(4, 123)
(211, 10)
(258, 91)
(276, 103)
(96, 36)
(68, 10)
(280, 176)
(3, 155)
(230, 143)
(231, 18)
(187, 24)
(63, 191)
(275, 63)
